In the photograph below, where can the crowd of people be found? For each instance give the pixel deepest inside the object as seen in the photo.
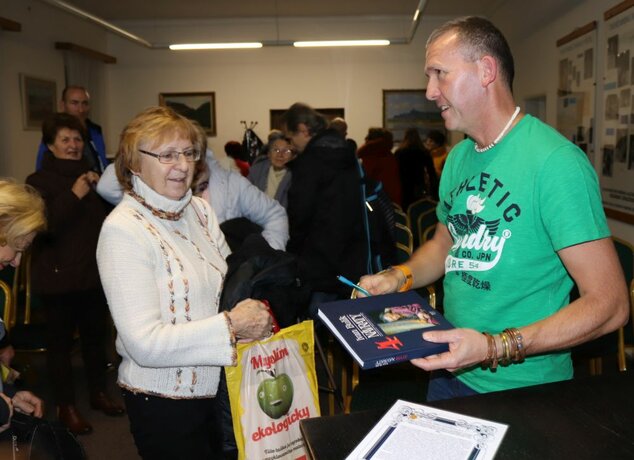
(146, 240)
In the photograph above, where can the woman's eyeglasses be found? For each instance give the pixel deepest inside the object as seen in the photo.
(283, 151)
(172, 156)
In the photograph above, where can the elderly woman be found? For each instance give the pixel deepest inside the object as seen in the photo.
(21, 217)
(64, 269)
(162, 257)
(269, 173)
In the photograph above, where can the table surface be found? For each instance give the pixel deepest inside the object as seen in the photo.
(589, 418)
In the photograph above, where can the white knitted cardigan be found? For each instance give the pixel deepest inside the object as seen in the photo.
(163, 280)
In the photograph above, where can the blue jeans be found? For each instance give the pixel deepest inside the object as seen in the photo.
(444, 385)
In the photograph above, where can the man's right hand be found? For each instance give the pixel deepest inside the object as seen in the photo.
(382, 283)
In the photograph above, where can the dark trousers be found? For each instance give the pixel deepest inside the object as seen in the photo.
(444, 385)
(174, 429)
(86, 311)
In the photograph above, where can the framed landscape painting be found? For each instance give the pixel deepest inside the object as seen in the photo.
(409, 108)
(39, 99)
(199, 107)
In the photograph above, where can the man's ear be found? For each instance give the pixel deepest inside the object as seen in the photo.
(488, 70)
(60, 106)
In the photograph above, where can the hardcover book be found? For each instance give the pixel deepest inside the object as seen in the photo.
(385, 329)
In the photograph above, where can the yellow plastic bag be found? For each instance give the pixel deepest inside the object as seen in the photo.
(273, 387)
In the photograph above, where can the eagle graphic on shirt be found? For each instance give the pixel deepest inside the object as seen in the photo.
(477, 246)
(471, 222)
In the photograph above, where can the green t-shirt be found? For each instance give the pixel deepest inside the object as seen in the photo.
(509, 210)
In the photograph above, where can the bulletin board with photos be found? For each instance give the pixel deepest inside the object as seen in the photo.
(616, 154)
(576, 87)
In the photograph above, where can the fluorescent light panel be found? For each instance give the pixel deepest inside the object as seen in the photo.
(214, 46)
(342, 43)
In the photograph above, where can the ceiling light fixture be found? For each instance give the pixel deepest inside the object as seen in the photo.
(215, 46)
(306, 44)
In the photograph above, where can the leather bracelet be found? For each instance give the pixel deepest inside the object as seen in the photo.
(409, 278)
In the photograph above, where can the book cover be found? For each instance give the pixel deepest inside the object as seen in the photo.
(385, 329)
(417, 432)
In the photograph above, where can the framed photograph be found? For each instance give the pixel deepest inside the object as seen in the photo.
(329, 113)
(39, 100)
(199, 107)
(409, 108)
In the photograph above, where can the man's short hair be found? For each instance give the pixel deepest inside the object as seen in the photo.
(379, 133)
(52, 125)
(479, 38)
(73, 87)
(303, 113)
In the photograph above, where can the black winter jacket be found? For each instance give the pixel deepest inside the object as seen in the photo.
(64, 257)
(325, 214)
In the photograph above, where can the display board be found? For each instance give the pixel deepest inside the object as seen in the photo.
(576, 87)
(616, 154)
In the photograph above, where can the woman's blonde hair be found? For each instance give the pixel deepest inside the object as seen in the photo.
(22, 212)
(153, 127)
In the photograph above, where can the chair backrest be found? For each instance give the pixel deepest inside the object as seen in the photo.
(418, 207)
(428, 233)
(404, 238)
(424, 221)
(401, 217)
(6, 303)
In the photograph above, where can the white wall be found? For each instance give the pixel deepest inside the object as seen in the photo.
(32, 52)
(536, 60)
(250, 83)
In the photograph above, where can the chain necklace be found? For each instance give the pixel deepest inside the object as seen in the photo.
(497, 139)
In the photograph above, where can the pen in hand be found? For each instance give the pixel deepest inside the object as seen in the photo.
(347, 282)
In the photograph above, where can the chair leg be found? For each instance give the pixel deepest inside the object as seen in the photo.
(332, 389)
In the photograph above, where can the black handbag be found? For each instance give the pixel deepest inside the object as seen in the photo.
(44, 439)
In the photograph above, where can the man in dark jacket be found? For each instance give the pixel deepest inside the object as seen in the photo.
(76, 101)
(325, 208)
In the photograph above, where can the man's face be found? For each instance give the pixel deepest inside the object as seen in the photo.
(454, 83)
(77, 103)
(300, 138)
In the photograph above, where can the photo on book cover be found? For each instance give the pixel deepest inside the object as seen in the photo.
(403, 318)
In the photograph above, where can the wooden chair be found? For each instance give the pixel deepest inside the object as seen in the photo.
(404, 243)
(424, 205)
(401, 218)
(6, 301)
(424, 221)
(428, 233)
(26, 335)
(614, 342)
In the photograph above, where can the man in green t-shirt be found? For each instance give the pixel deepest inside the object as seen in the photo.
(520, 219)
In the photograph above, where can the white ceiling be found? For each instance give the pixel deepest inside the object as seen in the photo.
(126, 10)
(516, 18)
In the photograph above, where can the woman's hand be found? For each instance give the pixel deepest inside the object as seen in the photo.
(27, 403)
(85, 183)
(251, 320)
(466, 348)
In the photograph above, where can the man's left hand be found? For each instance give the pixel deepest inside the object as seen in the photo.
(466, 348)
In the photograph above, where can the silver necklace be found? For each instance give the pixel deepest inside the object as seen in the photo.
(502, 133)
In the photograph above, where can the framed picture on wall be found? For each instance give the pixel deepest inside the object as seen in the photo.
(199, 107)
(39, 100)
(330, 113)
(409, 108)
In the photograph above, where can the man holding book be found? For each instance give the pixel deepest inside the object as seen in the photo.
(520, 220)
